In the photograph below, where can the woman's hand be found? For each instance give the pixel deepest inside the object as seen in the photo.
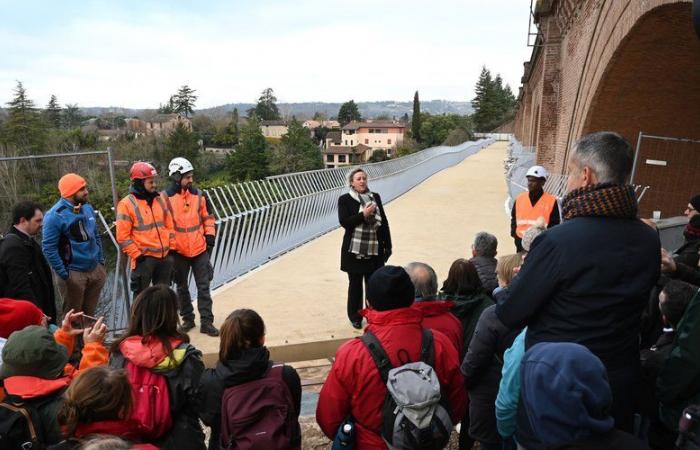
(369, 210)
(67, 326)
(668, 265)
(95, 333)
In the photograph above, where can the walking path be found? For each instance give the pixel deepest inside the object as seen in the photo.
(301, 295)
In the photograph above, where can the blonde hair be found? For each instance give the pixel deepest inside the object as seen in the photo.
(351, 175)
(505, 266)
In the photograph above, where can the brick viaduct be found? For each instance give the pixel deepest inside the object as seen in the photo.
(629, 66)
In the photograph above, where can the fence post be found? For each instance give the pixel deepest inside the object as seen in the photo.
(636, 157)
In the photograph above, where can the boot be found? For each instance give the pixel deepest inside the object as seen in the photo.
(187, 325)
(209, 330)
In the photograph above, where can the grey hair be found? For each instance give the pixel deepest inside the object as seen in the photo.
(351, 175)
(424, 279)
(485, 244)
(607, 154)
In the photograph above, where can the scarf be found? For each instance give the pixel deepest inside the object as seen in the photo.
(692, 229)
(364, 242)
(601, 200)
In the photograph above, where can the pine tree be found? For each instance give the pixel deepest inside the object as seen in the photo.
(184, 101)
(52, 113)
(416, 122)
(181, 142)
(23, 127)
(296, 152)
(348, 112)
(266, 109)
(234, 127)
(249, 161)
(168, 108)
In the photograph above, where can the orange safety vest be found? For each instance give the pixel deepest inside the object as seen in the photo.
(191, 221)
(143, 229)
(526, 214)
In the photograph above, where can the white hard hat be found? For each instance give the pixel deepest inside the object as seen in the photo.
(537, 171)
(179, 165)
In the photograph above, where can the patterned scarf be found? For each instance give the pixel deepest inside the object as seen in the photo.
(601, 200)
(364, 241)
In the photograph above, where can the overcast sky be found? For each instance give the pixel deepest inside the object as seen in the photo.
(137, 53)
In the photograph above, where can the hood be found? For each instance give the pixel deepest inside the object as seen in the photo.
(151, 354)
(565, 393)
(465, 304)
(251, 364)
(32, 387)
(400, 316)
(432, 308)
(140, 192)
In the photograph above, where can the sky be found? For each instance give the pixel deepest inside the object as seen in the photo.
(135, 54)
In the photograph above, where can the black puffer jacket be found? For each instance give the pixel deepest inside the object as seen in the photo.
(24, 272)
(486, 268)
(252, 364)
(183, 382)
(482, 373)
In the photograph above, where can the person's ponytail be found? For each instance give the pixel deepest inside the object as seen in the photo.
(242, 329)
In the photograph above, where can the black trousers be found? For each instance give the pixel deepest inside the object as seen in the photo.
(156, 270)
(355, 294)
(202, 272)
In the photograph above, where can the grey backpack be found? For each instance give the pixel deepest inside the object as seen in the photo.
(415, 411)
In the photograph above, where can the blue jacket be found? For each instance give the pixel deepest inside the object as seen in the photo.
(509, 389)
(71, 240)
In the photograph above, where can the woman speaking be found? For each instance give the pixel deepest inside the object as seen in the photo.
(367, 240)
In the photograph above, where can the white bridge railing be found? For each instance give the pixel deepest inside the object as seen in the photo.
(260, 220)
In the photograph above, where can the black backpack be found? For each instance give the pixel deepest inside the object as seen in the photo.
(20, 423)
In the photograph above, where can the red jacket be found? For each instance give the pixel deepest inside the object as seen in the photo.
(437, 316)
(354, 386)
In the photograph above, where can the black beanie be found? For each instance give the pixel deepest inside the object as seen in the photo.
(390, 287)
(695, 202)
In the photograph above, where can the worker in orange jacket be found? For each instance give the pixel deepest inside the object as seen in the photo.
(195, 233)
(145, 230)
(532, 205)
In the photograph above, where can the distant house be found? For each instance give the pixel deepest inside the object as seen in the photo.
(164, 124)
(311, 124)
(330, 124)
(341, 155)
(273, 128)
(333, 138)
(378, 135)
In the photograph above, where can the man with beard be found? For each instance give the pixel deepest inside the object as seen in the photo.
(72, 245)
(145, 230)
(195, 235)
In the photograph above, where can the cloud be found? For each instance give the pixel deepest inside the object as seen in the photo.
(136, 56)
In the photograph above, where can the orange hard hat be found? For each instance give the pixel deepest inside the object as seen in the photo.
(142, 170)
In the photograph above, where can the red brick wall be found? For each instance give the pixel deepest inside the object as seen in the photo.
(622, 65)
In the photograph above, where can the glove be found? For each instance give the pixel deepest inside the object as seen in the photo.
(387, 254)
(211, 240)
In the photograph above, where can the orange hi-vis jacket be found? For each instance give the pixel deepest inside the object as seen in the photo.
(526, 214)
(191, 220)
(143, 229)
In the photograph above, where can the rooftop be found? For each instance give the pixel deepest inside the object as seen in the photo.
(379, 124)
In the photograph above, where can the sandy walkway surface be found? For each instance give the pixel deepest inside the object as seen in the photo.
(301, 295)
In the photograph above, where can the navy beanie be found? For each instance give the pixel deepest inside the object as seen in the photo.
(390, 287)
(695, 202)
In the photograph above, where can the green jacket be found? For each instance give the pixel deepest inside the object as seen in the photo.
(678, 383)
(468, 309)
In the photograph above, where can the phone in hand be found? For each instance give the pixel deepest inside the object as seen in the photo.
(81, 321)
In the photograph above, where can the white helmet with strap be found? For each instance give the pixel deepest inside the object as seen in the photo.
(179, 165)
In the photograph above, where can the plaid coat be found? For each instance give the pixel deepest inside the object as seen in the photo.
(350, 217)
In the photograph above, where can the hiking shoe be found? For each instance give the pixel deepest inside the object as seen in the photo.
(357, 324)
(209, 330)
(186, 326)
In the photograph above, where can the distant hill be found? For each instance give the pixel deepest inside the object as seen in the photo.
(306, 110)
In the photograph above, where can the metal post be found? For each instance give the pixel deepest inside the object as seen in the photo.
(636, 157)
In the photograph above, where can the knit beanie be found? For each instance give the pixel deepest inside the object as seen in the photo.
(17, 314)
(33, 352)
(695, 202)
(390, 287)
(70, 183)
(532, 233)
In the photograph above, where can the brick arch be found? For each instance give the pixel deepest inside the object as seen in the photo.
(652, 81)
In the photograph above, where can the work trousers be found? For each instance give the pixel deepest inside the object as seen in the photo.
(202, 272)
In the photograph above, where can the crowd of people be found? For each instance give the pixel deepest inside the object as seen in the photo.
(585, 337)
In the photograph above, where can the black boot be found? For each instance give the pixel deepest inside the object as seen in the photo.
(209, 330)
(187, 325)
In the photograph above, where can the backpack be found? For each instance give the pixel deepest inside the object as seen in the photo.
(259, 414)
(151, 398)
(20, 423)
(415, 411)
(689, 429)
